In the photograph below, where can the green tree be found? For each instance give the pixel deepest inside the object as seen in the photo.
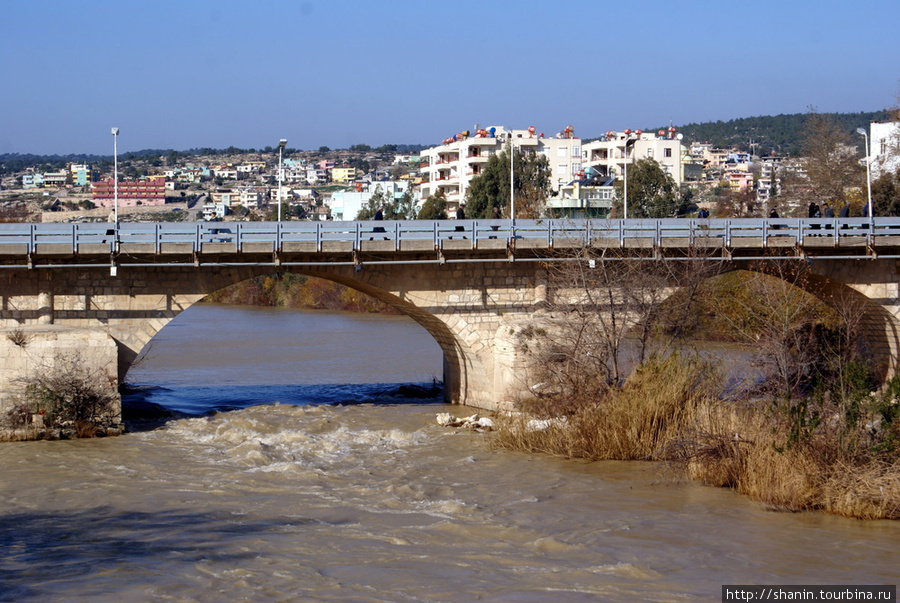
(531, 179)
(403, 208)
(434, 207)
(652, 192)
(886, 194)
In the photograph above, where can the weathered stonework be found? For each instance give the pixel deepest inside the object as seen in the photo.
(29, 350)
(472, 309)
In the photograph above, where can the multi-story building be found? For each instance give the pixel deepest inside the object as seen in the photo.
(343, 174)
(885, 151)
(585, 198)
(55, 179)
(453, 165)
(345, 205)
(610, 153)
(81, 174)
(32, 180)
(149, 191)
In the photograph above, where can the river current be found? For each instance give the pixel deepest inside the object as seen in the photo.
(317, 480)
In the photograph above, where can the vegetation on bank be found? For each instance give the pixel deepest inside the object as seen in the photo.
(288, 290)
(813, 430)
(65, 400)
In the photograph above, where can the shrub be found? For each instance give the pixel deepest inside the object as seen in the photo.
(73, 397)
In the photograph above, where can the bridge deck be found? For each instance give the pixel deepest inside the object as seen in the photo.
(37, 245)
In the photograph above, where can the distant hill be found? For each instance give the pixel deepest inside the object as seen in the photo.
(779, 134)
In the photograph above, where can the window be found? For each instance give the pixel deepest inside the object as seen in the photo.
(667, 152)
(576, 151)
(560, 151)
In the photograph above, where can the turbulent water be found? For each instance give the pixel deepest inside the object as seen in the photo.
(278, 498)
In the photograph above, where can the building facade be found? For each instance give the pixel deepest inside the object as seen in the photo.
(609, 155)
(151, 191)
(453, 165)
(884, 155)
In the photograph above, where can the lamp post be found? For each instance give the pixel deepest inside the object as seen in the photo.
(281, 145)
(512, 183)
(868, 170)
(629, 141)
(115, 135)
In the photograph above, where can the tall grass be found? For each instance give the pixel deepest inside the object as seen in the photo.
(790, 455)
(643, 420)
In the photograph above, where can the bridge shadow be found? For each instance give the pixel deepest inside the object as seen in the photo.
(68, 549)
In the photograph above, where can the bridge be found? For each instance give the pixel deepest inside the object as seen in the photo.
(472, 284)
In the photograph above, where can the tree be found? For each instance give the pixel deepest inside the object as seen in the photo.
(604, 304)
(886, 194)
(831, 162)
(531, 179)
(434, 207)
(403, 208)
(652, 192)
(736, 204)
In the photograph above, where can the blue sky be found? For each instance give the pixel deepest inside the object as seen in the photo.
(181, 74)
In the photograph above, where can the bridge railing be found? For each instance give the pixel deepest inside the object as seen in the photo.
(18, 238)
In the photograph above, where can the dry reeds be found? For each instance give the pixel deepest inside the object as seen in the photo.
(669, 411)
(640, 421)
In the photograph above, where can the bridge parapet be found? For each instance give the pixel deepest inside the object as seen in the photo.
(36, 245)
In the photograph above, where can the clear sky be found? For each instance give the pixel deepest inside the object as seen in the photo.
(180, 74)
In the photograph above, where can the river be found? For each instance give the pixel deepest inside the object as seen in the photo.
(278, 497)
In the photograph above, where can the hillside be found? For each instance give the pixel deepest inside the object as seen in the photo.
(779, 134)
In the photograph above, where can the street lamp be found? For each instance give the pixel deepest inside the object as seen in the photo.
(115, 134)
(629, 141)
(281, 145)
(512, 183)
(865, 135)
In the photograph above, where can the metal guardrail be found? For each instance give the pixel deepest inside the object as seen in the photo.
(26, 239)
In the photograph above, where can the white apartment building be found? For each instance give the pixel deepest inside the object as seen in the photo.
(609, 154)
(453, 165)
(885, 150)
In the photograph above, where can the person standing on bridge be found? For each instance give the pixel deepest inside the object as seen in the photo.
(461, 215)
(379, 216)
(495, 215)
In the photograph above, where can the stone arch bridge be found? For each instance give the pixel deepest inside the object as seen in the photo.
(470, 284)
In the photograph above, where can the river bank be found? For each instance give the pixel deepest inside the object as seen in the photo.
(799, 455)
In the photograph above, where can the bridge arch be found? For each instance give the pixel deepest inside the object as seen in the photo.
(462, 305)
(843, 289)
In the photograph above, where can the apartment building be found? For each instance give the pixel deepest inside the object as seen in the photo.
(32, 180)
(885, 151)
(343, 174)
(81, 174)
(611, 152)
(149, 191)
(453, 165)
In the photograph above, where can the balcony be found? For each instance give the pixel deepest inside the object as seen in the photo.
(483, 142)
